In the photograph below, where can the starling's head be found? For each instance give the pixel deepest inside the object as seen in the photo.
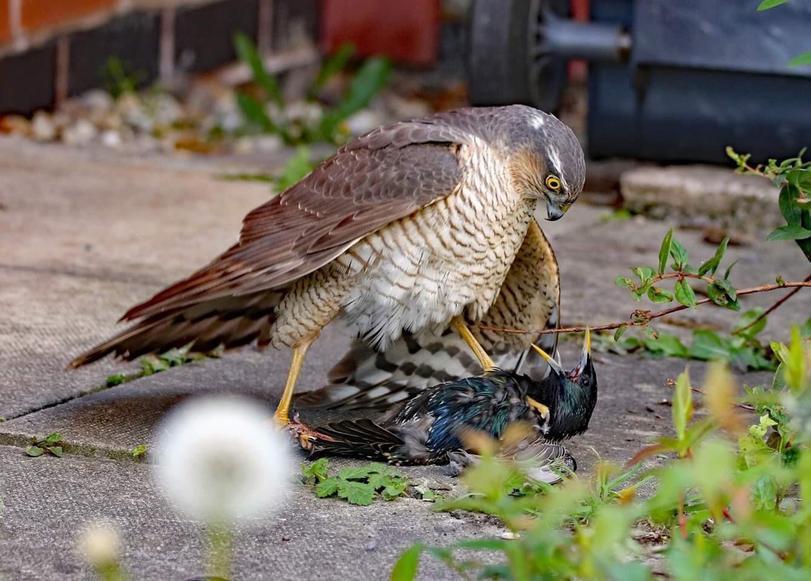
(570, 395)
(548, 163)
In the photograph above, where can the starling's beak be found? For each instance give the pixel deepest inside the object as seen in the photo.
(553, 365)
(554, 211)
(586, 354)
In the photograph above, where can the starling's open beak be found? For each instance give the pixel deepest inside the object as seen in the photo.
(553, 365)
(554, 211)
(586, 354)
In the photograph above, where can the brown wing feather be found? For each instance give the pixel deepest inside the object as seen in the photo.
(352, 194)
(381, 177)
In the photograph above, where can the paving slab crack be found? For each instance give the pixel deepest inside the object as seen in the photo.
(89, 275)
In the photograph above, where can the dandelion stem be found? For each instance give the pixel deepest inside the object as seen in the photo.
(220, 549)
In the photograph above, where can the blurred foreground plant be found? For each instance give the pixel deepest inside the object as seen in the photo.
(100, 545)
(219, 461)
(730, 499)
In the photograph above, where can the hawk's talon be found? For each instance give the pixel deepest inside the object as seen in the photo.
(541, 408)
(458, 324)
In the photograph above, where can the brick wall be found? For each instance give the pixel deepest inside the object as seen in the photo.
(54, 49)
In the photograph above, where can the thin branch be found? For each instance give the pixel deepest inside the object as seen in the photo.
(772, 308)
(640, 317)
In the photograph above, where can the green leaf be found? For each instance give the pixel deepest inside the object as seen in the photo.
(296, 168)
(334, 64)
(801, 60)
(769, 4)
(359, 472)
(684, 293)
(723, 294)
(625, 282)
(711, 265)
(658, 295)
(34, 451)
(326, 487)
(805, 329)
(789, 208)
(55, 450)
(51, 439)
(746, 319)
(788, 232)
(682, 404)
(246, 50)
(644, 273)
(138, 451)
(370, 79)
(115, 379)
(679, 254)
(794, 371)
(254, 114)
(666, 344)
(620, 332)
(405, 569)
(709, 346)
(664, 251)
(354, 492)
(316, 471)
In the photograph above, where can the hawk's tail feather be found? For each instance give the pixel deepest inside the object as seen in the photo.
(368, 379)
(228, 322)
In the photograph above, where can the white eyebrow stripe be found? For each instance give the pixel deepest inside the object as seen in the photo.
(554, 157)
(537, 121)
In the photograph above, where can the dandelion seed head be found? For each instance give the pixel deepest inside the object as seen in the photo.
(99, 544)
(220, 459)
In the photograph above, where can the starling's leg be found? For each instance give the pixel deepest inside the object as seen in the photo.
(458, 324)
(282, 411)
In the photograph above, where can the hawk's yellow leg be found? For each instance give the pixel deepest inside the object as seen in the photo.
(458, 324)
(282, 415)
(542, 409)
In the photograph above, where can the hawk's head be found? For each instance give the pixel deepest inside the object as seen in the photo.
(547, 161)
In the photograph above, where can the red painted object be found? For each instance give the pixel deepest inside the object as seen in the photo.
(5, 22)
(407, 32)
(37, 14)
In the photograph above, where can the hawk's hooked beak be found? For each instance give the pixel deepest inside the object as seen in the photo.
(555, 211)
(553, 365)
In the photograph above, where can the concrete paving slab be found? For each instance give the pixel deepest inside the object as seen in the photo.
(69, 211)
(113, 421)
(701, 195)
(44, 317)
(48, 500)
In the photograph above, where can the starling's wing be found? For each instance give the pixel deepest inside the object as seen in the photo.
(361, 438)
(529, 299)
(379, 178)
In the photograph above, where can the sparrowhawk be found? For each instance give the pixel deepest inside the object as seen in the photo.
(412, 228)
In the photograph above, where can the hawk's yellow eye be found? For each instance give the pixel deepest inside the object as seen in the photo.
(552, 183)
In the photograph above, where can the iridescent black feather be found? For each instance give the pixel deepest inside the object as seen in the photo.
(428, 428)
